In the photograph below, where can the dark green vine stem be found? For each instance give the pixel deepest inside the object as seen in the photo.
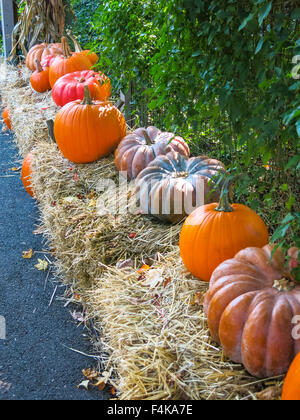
(224, 203)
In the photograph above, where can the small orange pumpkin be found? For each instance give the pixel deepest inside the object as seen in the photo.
(291, 386)
(6, 118)
(26, 174)
(86, 131)
(216, 232)
(40, 78)
(67, 63)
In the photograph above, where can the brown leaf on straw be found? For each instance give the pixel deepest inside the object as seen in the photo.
(198, 299)
(90, 374)
(124, 264)
(269, 394)
(27, 254)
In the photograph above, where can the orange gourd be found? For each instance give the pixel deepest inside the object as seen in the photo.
(215, 232)
(40, 78)
(291, 386)
(67, 63)
(26, 174)
(6, 118)
(88, 130)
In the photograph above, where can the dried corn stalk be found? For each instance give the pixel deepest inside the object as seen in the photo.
(40, 21)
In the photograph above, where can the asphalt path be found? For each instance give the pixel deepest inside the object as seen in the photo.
(36, 362)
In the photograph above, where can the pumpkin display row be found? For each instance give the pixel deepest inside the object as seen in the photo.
(252, 297)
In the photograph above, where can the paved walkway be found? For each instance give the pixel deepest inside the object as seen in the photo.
(35, 362)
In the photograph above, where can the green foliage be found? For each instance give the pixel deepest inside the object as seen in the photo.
(222, 73)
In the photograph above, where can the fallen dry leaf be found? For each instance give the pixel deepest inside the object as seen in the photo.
(27, 254)
(123, 264)
(84, 384)
(198, 299)
(90, 374)
(42, 265)
(269, 394)
(15, 169)
(77, 316)
(153, 278)
(143, 269)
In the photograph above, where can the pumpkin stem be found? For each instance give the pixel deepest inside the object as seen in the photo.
(50, 124)
(87, 100)
(147, 138)
(224, 203)
(75, 42)
(66, 48)
(38, 66)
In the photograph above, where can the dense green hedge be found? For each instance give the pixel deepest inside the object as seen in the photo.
(219, 72)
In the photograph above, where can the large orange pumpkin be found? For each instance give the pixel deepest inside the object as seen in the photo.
(67, 63)
(85, 131)
(216, 232)
(291, 386)
(251, 305)
(6, 118)
(26, 174)
(40, 52)
(40, 78)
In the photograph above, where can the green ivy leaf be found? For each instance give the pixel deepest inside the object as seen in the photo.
(264, 13)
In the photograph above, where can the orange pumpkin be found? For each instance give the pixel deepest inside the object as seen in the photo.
(6, 118)
(40, 52)
(216, 232)
(291, 386)
(86, 131)
(40, 78)
(26, 174)
(252, 303)
(67, 63)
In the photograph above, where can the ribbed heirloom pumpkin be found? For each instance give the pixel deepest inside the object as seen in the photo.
(88, 130)
(171, 186)
(26, 174)
(70, 87)
(40, 52)
(141, 147)
(217, 231)
(67, 63)
(39, 80)
(251, 304)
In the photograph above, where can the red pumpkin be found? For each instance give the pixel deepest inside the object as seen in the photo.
(141, 147)
(85, 131)
(216, 232)
(71, 87)
(26, 174)
(67, 63)
(40, 78)
(251, 307)
(291, 386)
(40, 52)
(47, 61)
(6, 118)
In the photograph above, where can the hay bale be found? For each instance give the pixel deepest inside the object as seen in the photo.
(158, 337)
(153, 325)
